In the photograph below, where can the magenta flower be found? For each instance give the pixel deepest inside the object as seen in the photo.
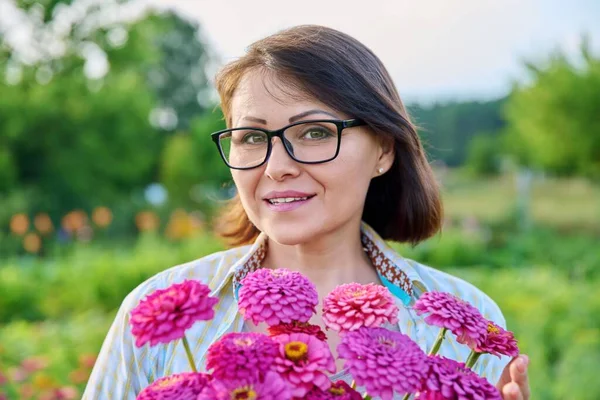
(340, 390)
(277, 296)
(271, 387)
(34, 364)
(166, 314)
(298, 327)
(184, 386)
(303, 362)
(241, 356)
(67, 393)
(350, 306)
(383, 361)
(453, 380)
(498, 341)
(448, 311)
(431, 395)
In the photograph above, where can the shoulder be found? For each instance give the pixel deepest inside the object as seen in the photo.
(212, 270)
(434, 279)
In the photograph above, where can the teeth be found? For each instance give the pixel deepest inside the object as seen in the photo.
(286, 200)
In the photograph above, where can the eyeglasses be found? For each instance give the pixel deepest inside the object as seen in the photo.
(307, 142)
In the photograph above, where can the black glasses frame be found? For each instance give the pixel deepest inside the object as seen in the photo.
(340, 124)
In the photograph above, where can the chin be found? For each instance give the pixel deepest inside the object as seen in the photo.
(291, 234)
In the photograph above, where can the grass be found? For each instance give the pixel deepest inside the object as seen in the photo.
(563, 204)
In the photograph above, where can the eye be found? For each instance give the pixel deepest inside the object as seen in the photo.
(255, 138)
(316, 133)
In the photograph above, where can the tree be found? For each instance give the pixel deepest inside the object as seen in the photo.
(180, 79)
(447, 129)
(75, 126)
(553, 122)
(192, 161)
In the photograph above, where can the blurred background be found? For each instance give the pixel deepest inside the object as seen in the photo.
(108, 174)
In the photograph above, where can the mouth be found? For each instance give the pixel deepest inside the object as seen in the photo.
(286, 200)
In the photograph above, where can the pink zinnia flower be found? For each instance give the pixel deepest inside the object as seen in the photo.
(383, 361)
(184, 386)
(340, 390)
(303, 362)
(453, 380)
(34, 364)
(277, 296)
(271, 387)
(166, 314)
(498, 341)
(241, 355)
(431, 395)
(298, 327)
(350, 306)
(67, 393)
(448, 311)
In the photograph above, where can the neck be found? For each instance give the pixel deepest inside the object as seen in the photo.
(329, 260)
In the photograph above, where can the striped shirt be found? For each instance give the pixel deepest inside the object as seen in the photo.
(123, 370)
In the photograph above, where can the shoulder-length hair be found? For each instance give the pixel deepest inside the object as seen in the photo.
(403, 204)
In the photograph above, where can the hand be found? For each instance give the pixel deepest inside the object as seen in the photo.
(514, 383)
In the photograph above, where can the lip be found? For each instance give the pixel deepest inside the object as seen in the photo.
(286, 193)
(285, 207)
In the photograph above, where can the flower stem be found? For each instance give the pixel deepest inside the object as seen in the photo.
(353, 384)
(472, 359)
(367, 397)
(438, 342)
(190, 357)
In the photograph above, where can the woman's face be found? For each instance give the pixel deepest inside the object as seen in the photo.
(336, 190)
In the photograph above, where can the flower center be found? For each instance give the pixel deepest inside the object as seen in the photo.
(492, 329)
(296, 351)
(358, 293)
(170, 381)
(337, 391)
(244, 393)
(387, 342)
(243, 342)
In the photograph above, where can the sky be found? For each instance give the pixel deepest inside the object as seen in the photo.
(434, 49)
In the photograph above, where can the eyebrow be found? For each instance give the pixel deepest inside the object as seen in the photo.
(293, 119)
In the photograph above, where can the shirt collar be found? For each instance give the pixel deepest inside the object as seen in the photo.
(398, 275)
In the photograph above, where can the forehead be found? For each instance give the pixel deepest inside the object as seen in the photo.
(267, 94)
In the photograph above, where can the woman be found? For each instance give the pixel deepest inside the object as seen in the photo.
(327, 166)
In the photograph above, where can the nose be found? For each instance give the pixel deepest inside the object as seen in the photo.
(280, 165)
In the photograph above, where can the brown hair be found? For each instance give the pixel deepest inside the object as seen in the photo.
(404, 203)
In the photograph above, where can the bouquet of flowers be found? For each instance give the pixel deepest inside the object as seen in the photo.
(294, 360)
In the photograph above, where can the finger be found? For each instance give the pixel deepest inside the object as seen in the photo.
(512, 392)
(505, 377)
(518, 374)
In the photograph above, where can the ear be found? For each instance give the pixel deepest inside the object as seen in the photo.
(387, 153)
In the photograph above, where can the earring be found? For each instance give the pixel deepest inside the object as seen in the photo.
(380, 170)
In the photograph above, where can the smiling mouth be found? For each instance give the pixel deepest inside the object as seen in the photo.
(284, 200)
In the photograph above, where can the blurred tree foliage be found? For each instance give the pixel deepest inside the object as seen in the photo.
(484, 154)
(85, 106)
(553, 122)
(180, 79)
(447, 128)
(191, 163)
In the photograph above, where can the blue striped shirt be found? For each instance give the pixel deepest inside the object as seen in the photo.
(123, 370)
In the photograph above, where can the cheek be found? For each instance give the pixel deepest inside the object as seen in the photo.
(346, 182)
(246, 183)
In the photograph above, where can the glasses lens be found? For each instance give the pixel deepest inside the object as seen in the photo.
(307, 142)
(244, 148)
(312, 141)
